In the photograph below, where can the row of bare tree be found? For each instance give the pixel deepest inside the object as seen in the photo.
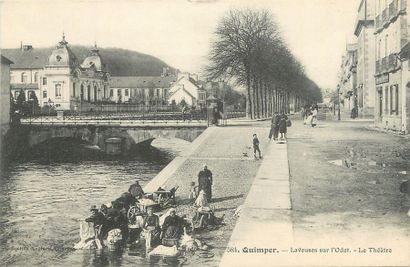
(249, 51)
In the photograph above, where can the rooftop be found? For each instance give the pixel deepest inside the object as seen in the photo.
(142, 81)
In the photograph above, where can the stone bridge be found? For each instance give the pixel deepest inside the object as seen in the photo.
(97, 135)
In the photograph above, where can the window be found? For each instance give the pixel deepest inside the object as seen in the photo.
(58, 90)
(73, 89)
(44, 80)
(126, 93)
(31, 95)
(35, 77)
(379, 49)
(95, 93)
(111, 92)
(16, 94)
(386, 100)
(44, 94)
(23, 77)
(119, 92)
(386, 46)
(394, 99)
(158, 92)
(82, 92)
(88, 93)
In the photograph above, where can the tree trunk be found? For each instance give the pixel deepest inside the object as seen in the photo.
(266, 100)
(256, 88)
(253, 97)
(248, 96)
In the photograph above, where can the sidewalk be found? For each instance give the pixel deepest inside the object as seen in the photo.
(228, 153)
(332, 215)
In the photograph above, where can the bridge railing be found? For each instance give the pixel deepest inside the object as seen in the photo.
(128, 118)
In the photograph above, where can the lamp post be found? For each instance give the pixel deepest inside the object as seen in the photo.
(338, 102)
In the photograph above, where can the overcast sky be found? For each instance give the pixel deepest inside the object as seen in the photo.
(179, 31)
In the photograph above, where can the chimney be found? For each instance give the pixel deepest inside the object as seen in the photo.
(21, 45)
(27, 47)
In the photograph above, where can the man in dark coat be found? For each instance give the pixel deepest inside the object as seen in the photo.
(283, 125)
(274, 128)
(205, 182)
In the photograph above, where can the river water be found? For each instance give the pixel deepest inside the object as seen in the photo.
(43, 199)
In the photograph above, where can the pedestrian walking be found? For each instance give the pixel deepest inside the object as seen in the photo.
(283, 128)
(274, 128)
(314, 116)
(205, 181)
(256, 146)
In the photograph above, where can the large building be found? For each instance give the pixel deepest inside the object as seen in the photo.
(364, 31)
(146, 90)
(4, 94)
(59, 79)
(348, 80)
(391, 75)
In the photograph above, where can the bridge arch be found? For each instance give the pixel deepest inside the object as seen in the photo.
(97, 135)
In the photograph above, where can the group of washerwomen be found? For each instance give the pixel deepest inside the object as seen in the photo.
(114, 215)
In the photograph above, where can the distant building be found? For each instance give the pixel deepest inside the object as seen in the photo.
(189, 89)
(364, 29)
(150, 90)
(348, 80)
(59, 79)
(5, 94)
(391, 75)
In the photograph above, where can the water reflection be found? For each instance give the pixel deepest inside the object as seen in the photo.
(44, 198)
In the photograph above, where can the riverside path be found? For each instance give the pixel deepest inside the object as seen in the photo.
(228, 153)
(299, 206)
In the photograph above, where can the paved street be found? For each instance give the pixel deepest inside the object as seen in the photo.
(345, 188)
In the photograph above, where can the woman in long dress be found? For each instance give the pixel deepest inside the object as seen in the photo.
(314, 117)
(205, 182)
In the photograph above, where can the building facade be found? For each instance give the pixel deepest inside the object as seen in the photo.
(149, 90)
(187, 88)
(391, 27)
(59, 79)
(5, 94)
(348, 81)
(364, 31)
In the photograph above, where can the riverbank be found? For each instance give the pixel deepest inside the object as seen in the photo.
(228, 153)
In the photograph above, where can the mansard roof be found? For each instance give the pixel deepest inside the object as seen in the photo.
(27, 59)
(62, 55)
